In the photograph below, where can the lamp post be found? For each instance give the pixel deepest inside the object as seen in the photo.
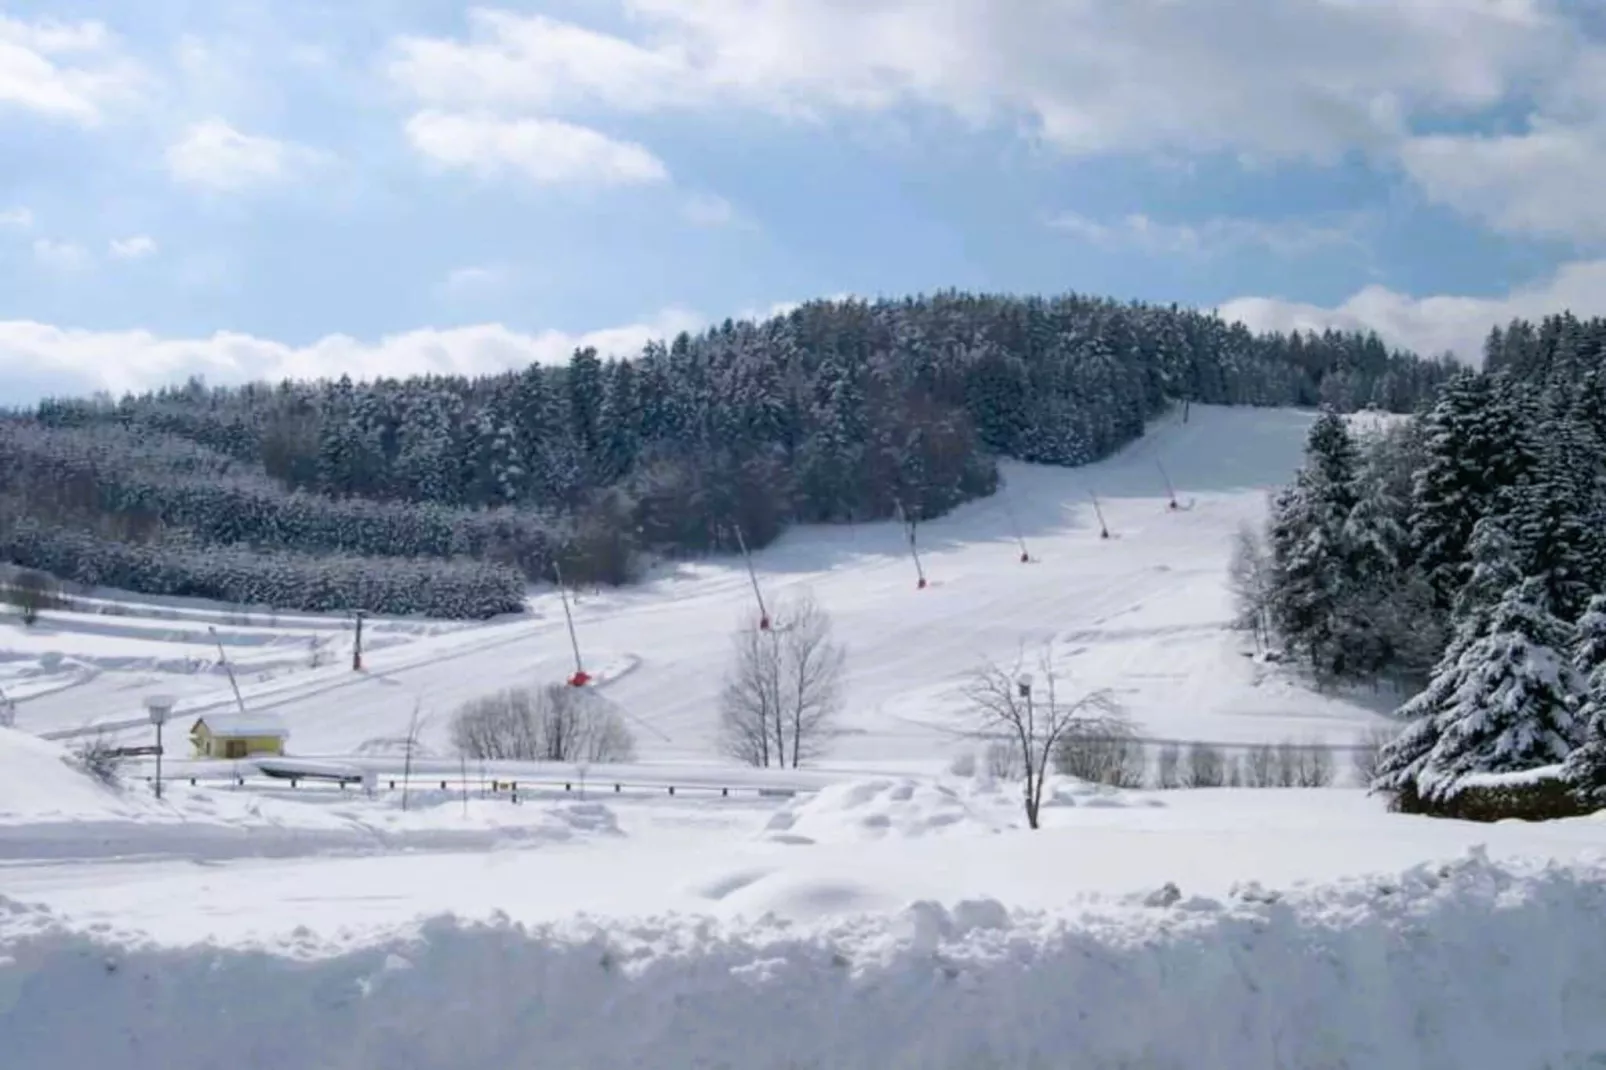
(1024, 682)
(160, 707)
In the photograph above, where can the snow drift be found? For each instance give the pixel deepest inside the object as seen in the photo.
(876, 808)
(1467, 966)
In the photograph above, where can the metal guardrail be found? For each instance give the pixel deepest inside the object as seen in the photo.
(496, 788)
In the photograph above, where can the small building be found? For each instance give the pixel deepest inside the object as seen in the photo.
(238, 735)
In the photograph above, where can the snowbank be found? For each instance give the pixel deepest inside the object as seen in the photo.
(877, 808)
(40, 781)
(1467, 966)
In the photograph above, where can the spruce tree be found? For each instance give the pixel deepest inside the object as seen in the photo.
(1500, 701)
(1585, 768)
(1474, 450)
(1310, 554)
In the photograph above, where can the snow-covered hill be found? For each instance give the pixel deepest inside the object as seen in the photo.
(887, 915)
(1143, 613)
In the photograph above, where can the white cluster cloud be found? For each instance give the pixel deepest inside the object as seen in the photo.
(212, 155)
(547, 152)
(510, 134)
(1436, 324)
(1266, 79)
(136, 248)
(82, 360)
(68, 70)
(36, 357)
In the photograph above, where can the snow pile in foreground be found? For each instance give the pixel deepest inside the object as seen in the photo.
(907, 808)
(1472, 965)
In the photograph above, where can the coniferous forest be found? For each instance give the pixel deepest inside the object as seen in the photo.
(443, 496)
(1462, 554)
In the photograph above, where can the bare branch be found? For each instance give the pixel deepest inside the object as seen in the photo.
(1029, 711)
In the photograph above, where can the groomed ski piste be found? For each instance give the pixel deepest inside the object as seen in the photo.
(878, 909)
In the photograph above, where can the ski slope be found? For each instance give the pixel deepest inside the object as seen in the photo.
(1144, 614)
(894, 913)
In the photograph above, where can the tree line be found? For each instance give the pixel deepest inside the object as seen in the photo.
(836, 411)
(1461, 554)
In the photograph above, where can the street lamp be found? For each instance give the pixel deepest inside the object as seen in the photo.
(161, 708)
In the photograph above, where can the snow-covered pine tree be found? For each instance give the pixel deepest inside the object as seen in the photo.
(1554, 544)
(1501, 701)
(1310, 556)
(1381, 610)
(1585, 768)
(1473, 446)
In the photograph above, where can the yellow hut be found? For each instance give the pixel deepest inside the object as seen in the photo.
(238, 735)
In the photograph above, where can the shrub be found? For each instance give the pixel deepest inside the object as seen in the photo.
(33, 592)
(1260, 766)
(1107, 751)
(1313, 766)
(1003, 761)
(98, 757)
(556, 723)
(1168, 768)
(1364, 758)
(1206, 767)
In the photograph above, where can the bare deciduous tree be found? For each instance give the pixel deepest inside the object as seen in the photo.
(556, 723)
(1033, 717)
(784, 688)
(415, 724)
(1249, 577)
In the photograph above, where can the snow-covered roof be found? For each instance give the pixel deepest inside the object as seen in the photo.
(243, 724)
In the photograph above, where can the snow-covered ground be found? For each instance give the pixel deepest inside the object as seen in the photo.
(882, 922)
(875, 911)
(1142, 613)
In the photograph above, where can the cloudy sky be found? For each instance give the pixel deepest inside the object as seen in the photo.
(248, 188)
